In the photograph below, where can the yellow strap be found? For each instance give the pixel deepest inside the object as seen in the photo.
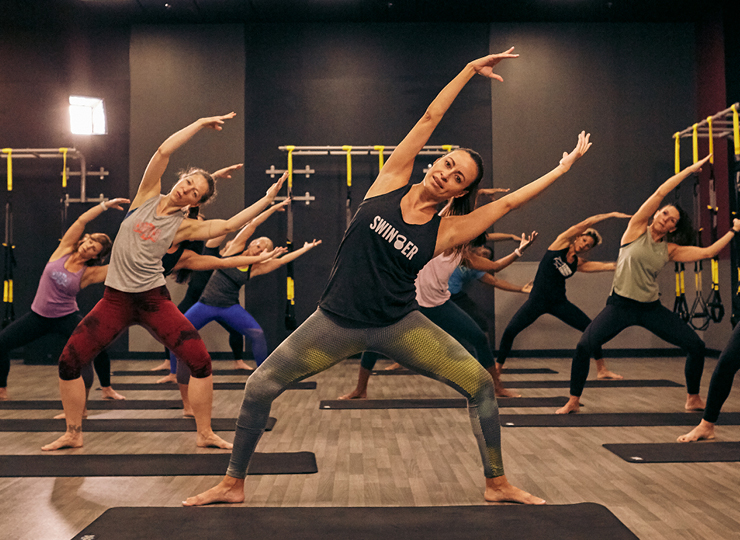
(683, 283)
(348, 149)
(678, 283)
(715, 274)
(64, 166)
(736, 130)
(291, 290)
(695, 142)
(290, 168)
(677, 152)
(380, 150)
(9, 151)
(5, 291)
(447, 148)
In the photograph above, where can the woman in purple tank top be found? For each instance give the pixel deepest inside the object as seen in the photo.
(75, 264)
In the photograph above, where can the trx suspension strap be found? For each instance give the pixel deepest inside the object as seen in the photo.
(699, 318)
(680, 306)
(714, 303)
(380, 150)
(290, 322)
(348, 209)
(64, 192)
(8, 247)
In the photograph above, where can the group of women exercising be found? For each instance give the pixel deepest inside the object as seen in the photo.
(412, 261)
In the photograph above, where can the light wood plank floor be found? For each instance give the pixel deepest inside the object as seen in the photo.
(394, 457)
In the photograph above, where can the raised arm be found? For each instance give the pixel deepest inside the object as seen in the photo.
(274, 264)
(239, 242)
(566, 238)
(456, 230)
(692, 253)
(151, 182)
(192, 229)
(639, 221)
(501, 237)
(77, 229)
(195, 261)
(397, 170)
(477, 262)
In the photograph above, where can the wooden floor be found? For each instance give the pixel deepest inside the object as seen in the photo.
(394, 457)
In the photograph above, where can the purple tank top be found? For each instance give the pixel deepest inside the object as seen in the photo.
(57, 292)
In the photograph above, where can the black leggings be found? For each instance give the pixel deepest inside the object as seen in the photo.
(724, 373)
(532, 310)
(621, 313)
(33, 326)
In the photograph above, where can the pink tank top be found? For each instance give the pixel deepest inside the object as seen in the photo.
(57, 292)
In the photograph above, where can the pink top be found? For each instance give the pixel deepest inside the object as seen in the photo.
(57, 292)
(431, 283)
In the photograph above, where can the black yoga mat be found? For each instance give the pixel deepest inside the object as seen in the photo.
(584, 521)
(56, 465)
(96, 405)
(612, 419)
(121, 424)
(302, 385)
(509, 371)
(437, 403)
(675, 452)
(163, 372)
(594, 383)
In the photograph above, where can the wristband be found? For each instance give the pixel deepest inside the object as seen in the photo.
(102, 204)
(733, 231)
(518, 252)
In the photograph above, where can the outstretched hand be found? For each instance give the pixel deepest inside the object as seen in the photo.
(215, 122)
(310, 245)
(116, 203)
(280, 207)
(528, 287)
(581, 148)
(267, 255)
(484, 66)
(696, 167)
(526, 241)
(226, 171)
(275, 188)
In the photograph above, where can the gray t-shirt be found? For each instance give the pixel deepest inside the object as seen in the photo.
(141, 242)
(222, 289)
(638, 266)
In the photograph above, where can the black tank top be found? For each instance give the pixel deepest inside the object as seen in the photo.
(372, 280)
(554, 269)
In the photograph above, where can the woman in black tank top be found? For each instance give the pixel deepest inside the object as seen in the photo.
(394, 233)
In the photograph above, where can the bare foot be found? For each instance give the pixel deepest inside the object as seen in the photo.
(171, 377)
(109, 393)
(500, 490)
(572, 406)
(68, 440)
(240, 364)
(229, 490)
(212, 440)
(694, 402)
(4, 394)
(608, 375)
(394, 366)
(62, 416)
(354, 394)
(505, 392)
(703, 432)
(161, 367)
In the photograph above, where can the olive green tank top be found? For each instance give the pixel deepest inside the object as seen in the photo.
(638, 266)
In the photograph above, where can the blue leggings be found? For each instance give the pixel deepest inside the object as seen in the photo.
(461, 326)
(235, 317)
(414, 342)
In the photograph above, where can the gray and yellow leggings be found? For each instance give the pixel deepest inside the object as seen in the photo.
(414, 342)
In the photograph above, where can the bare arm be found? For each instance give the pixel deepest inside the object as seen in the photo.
(397, 170)
(639, 221)
(595, 266)
(274, 264)
(566, 238)
(93, 274)
(500, 237)
(151, 182)
(77, 229)
(195, 261)
(456, 230)
(240, 240)
(692, 253)
(481, 263)
(504, 285)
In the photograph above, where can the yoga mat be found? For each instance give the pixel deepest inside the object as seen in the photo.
(694, 452)
(512, 371)
(100, 405)
(122, 424)
(594, 383)
(584, 521)
(58, 465)
(303, 385)
(612, 419)
(163, 372)
(437, 403)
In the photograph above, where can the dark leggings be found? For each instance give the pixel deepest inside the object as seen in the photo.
(236, 340)
(117, 311)
(458, 324)
(532, 310)
(621, 313)
(724, 373)
(466, 303)
(33, 326)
